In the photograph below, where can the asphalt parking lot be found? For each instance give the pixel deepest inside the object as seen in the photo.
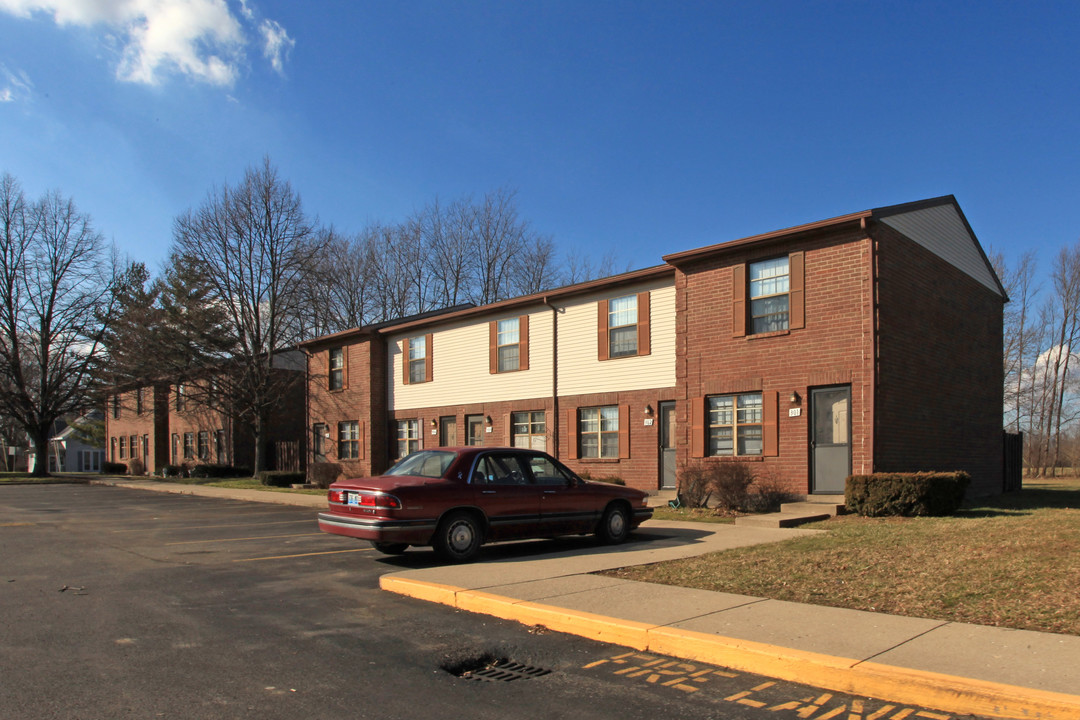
(120, 603)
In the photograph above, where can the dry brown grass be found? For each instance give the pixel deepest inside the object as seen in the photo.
(1013, 561)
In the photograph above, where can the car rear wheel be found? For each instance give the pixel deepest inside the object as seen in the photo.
(458, 537)
(614, 526)
(390, 548)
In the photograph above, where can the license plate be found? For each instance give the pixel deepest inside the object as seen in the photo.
(353, 498)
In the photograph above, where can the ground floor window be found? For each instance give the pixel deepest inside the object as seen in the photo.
(598, 432)
(145, 446)
(175, 448)
(529, 430)
(189, 446)
(133, 446)
(219, 447)
(204, 445)
(408, 437)
(734, 424)
(318, 442)
(348, 440)
(123, 447)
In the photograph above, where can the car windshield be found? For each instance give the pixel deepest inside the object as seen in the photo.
(425, 463)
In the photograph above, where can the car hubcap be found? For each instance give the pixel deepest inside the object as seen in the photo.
(616, 524)
(461, 536)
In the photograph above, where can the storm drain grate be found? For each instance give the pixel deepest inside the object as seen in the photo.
(504, 671)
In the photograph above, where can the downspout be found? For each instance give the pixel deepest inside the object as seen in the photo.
(304, 436)
(554, 378)
(874, 332)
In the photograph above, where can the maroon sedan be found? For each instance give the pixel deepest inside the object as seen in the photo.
(456, 499)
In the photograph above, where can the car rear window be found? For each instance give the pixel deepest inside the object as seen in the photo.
(425, 463)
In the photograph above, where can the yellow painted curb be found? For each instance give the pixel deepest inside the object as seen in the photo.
(432, 592)
(913, 687)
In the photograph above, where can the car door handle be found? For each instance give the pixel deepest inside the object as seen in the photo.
(487, 492)
(549, 492)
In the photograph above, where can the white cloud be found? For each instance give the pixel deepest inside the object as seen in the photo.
(14, 86)
(202, 39)
(277, 44)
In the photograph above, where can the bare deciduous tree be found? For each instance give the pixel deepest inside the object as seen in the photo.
(56, 287)
(253, 246)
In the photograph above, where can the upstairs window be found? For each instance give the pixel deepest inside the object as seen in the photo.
(181, 397)
(768, 296)
(623, 325)
(769, 287)
(508, 345)
(116, 407)
(417, 359)
(337, 368)
(139, 401)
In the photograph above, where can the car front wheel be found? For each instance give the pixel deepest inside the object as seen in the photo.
(614, 526)
(458, 537)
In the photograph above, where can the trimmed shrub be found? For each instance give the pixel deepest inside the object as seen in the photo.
(218, 471)
(113, 468)
(281, 478)
(730, 483)
(907, 494)
(137, 467)
(173, 471)
(321, 474)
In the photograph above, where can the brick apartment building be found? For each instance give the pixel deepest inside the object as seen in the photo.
(191, 423)
(864, 343)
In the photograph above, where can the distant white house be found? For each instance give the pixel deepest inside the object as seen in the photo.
(67, 453)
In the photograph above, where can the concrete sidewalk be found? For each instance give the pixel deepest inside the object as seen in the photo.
(947, 666)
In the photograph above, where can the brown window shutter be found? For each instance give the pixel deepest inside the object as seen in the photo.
(523, 342)
(697, 427)
(644, 346)
(624, 431)
(429, 340)
(493, 347)
(405, 361)
(362, 443)
(572, 434)
(797, 291)
(769, 425)
(603, 347)
(509, 431)
(738, 301)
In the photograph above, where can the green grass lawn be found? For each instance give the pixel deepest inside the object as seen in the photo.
(243, 483)
(1011, 561)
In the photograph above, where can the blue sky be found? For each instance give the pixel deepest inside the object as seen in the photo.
(631, 128)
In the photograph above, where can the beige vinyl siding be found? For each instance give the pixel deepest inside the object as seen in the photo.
(460, 365)
(580, 370)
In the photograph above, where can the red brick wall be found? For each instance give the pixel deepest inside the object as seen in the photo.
(940, 372)
(641, 469)
(834, 347)
(131, 422)
(362, 398)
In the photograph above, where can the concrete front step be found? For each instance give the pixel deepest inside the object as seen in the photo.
(780, 519)
(812, 506)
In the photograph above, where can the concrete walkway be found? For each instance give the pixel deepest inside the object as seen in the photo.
(948, 666)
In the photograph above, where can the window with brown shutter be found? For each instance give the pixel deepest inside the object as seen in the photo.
(623, 327)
